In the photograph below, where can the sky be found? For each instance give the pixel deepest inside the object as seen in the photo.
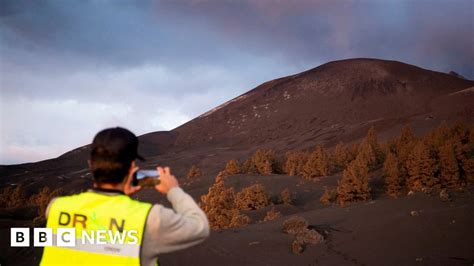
(71, 68)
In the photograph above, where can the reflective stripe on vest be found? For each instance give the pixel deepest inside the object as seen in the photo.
(89, 213)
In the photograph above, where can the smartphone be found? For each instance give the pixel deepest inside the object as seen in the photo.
(146, 178)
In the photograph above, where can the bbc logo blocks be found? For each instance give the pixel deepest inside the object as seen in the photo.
(42, 237)
(20, 237)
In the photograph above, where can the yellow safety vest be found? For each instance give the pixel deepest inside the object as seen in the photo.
(88, 212)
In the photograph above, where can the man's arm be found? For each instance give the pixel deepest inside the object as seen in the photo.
(168, 230)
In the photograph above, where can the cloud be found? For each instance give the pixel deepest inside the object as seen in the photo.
(431, 34)
(44, 116)
(70, 68)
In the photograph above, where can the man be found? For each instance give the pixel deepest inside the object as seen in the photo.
(107, 206)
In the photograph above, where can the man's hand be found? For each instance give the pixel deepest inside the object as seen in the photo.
(167, 180)
(128, 188)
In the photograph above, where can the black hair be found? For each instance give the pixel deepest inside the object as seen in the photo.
(112, 153)
(110, 171)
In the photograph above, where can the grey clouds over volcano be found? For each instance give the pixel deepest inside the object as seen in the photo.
(70, 68)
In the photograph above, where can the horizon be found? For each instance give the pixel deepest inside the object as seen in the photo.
(62, 61)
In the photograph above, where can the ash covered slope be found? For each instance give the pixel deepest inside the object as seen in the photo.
(324, 103)
(334, 102)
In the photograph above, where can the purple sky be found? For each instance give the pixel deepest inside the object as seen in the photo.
(70, 68)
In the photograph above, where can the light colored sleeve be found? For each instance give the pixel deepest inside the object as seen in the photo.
(49, 207)
(168, 230)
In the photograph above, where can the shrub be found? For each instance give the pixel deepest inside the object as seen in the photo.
(252, 198)
(294, 224)
(194, 171)
(285, 196)
(272, 215)
(309, 236)
(232, 167)
(264, 161)
(294, 162)
(354, 185)
(298, 227)
(329, 195)
(297, 246)
(317, 164)
(238, 220)
(219, 206)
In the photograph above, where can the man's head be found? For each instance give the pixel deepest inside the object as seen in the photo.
(112, 152)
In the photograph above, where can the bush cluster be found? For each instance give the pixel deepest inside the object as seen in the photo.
(294, 163)
(42, 199)
(299, 227)
(442, 159)
(219, 205)
(262, 162)
(14, 197)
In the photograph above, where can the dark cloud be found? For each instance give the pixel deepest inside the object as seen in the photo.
(121, 34)
(77, 66)
(431, 34)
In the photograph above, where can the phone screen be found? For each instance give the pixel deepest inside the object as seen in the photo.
(144, 174)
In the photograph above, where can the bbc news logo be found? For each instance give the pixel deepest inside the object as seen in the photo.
(66, 237)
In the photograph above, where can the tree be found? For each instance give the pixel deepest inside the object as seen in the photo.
(294, 162)
(393, 180)
(263, 162)
(341, 157)
(369, 155)
(404, 146)
(370, 148)
(249, 167)
(406, 136)
(421, 169)
(449, 168)
(317, 164)
(354, 185)
(353, 151)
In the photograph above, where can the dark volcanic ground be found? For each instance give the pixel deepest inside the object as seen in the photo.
(336, 102)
